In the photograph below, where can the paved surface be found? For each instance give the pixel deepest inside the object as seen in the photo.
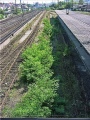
(77, 27)
(79, 24)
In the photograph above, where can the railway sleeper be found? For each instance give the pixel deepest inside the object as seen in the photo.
(4, 87)
(6, 84)
(2, 94)
(5, 102)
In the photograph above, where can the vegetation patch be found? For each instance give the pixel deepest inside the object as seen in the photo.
(1, 14)
(49, 75)
(35, 70)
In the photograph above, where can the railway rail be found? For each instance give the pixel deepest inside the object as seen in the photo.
(7, 49)
(10, 68)
(10, 26)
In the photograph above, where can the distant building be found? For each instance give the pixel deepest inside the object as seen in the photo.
(7, 6)
(24, 7)
(87, 1)
(1, 6)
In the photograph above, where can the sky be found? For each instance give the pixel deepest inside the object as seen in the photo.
(27, 1)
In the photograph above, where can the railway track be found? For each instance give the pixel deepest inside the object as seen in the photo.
(10, 65)
(8, 49)
(10, 26)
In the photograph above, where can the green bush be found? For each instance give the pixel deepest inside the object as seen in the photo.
(36, 71)
(37, 101)
(1, 16)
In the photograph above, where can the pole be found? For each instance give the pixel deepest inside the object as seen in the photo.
(15, 7)
(72, 3)
(67, 7)
(21, 5)
(58, 3)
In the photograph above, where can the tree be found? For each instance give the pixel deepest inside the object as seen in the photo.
(1, 16)
(1, 12)
(81, 2)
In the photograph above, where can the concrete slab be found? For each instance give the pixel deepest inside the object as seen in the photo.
(77, 27)
(78, 24)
